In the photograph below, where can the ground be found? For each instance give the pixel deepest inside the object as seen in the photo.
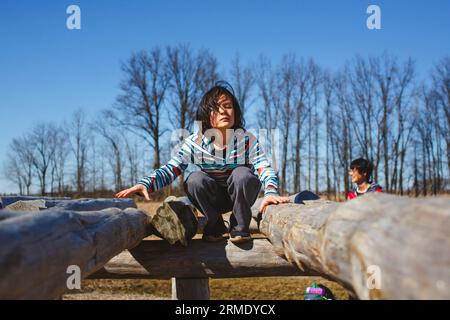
(271, 288)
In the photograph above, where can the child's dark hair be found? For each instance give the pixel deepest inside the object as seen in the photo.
(209, 104)
(363, 166)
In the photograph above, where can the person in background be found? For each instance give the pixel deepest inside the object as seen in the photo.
(361, 175)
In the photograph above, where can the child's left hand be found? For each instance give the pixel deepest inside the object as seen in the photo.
(272, 200)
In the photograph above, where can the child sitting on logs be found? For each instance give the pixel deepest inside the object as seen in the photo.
(227, 156)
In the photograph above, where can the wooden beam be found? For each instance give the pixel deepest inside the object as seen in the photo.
(402, 242)
(36, 249)
(158, 259)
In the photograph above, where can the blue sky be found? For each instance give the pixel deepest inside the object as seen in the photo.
(47, 71)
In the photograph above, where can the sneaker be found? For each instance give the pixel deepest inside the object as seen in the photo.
(175, 221)
(239, 237)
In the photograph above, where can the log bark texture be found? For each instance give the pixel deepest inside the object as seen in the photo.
(36, 249)
(379, 246)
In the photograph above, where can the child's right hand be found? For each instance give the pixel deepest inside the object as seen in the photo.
(139, 188)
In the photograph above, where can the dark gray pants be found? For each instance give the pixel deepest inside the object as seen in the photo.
(213, 200)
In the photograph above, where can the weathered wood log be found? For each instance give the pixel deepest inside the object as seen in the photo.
(190, 289)
(7, 200)
(83, 204)
(44, 203)
(379, 246)
(160, 260)
(26, 205)
(37, 249)
(93, 204)
(177, 220)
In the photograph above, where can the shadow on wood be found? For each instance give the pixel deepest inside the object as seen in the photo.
(158, 259)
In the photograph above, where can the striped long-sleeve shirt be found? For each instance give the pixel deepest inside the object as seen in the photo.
(198, 149)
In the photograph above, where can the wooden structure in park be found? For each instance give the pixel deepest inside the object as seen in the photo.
(378, 247)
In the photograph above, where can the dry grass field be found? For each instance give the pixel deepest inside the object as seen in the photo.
(271, 288)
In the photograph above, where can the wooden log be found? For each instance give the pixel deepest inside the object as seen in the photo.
(379, 246)
(158, 259)
(190, 289)
(5, 214)
(37, 249)
(27, 205)
(7, 200)
(177, 220)
(87, 204)
(83, 204)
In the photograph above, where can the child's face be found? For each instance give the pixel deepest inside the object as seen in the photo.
(224, 117)
(356, 176)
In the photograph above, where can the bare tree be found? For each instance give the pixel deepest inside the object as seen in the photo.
(286, 86)
(305, 100)
(143, 90)
(266, 82)
(379, 94)
(341, 131)
(206, 74)
(13, 172)
(58, 162)
(93, 162)
(269, 112)
(191, 75)
(441, 93)
(402, 131)
(43, 139)
(113, 145)
(362, 94)
(328, 96)
(132, 155)
(431, 136)
(78, 133)
(385, 68)
(20, 164)
(242, 80)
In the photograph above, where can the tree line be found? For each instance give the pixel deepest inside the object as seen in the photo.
(373, 107)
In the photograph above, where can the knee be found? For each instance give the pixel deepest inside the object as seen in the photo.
(198, 181)
(244, 178)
